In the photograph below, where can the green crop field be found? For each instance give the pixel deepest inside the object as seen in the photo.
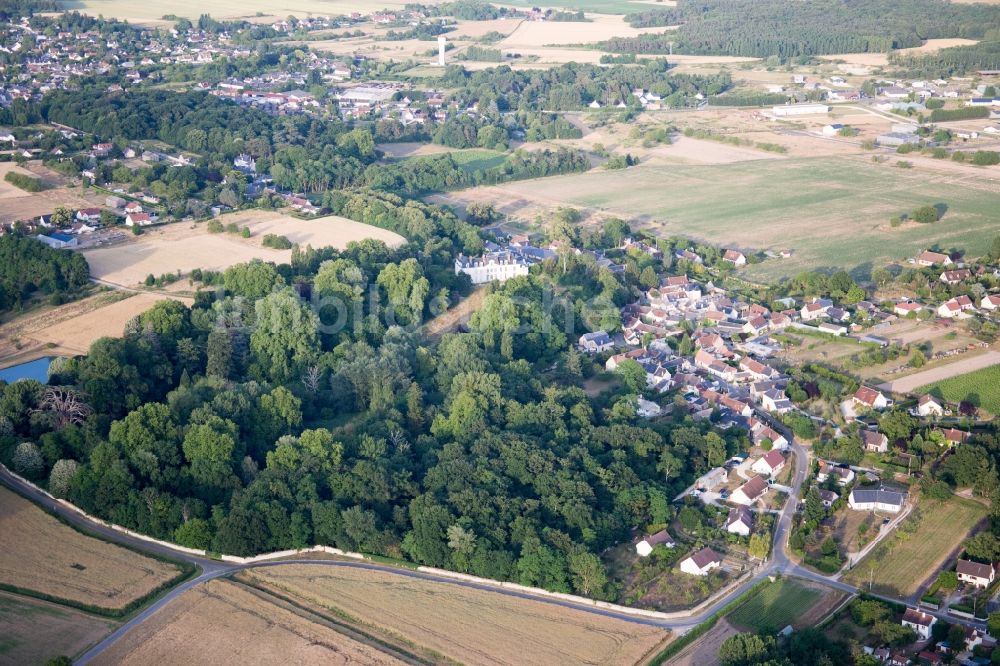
(981, 388)
(776, 606)
(478, 160)
(829, 211)
(898, 565)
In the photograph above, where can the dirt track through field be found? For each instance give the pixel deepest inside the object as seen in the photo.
(966, 365)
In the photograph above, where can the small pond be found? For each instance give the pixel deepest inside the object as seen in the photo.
(37, 369)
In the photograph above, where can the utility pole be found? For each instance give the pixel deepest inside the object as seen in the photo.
(871, 577)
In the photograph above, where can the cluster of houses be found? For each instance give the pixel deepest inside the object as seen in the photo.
(513, 256)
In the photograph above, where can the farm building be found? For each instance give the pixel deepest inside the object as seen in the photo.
(896, 139)
(58, 241)
(799, 109)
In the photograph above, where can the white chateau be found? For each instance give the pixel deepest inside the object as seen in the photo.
(495, 266)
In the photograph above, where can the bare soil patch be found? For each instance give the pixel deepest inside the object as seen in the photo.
(219, 622)
(471, 626)
(33, 631)
(705, 652)
(21, 205)
(42, 554)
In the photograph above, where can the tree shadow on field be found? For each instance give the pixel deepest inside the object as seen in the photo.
(861, 273)
(942, 208)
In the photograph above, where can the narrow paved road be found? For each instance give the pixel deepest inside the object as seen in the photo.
(210, 569)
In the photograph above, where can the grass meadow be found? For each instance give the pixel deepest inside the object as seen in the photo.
(831, 212)
(981, 388)
(776, 606)
(898, 565)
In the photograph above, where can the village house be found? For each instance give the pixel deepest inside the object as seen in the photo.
(133, 207)
(844, 475)
(735, 257)
(740, 521)
(928, 405)
(928, 258)
(769, 464)
(906, 307)
(833, 329)
(828, 497)
(920, 622)
(750, 492)
(862, 499)
(138, 220)
(88, 215)
(596, 342)
(871, 398)
(990, 302)
(956, 276)
(953, 436)
(975, 573)
(874, 441)
(647, 409)
(701, 562)
(645, 546)
(956, 308)
(814, 311)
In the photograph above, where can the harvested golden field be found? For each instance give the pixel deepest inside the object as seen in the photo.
(42, 554)
(932, 45)
(329, 231)
(78, 333)
(467, 625)
(21, 205)
(222, 623)
(599, 28)
(183, 247)
(33, 631)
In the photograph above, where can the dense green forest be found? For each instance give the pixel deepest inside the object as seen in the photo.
(572, 86)
(764, 28)
(954, 60)
(28, 265)
(261, 420)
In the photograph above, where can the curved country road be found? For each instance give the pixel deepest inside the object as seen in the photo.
(210, 568)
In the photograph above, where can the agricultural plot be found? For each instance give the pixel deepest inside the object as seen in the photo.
(219, 622)
(153, 11)
(463, 624)
(777, 605)
(43, 555)
(182, 247)
(981, 388)
(18, 204)
(33, 631)
(899, 564)
(829, 211)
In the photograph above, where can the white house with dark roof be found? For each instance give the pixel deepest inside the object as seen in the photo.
(740, 521)
(701, 562)
(975, 573)
(645, 546)
(921, 623)
(596, 342)
(861, 499)
(874, 441)
(929, 405)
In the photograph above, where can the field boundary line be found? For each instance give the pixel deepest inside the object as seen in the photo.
(345, 626)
